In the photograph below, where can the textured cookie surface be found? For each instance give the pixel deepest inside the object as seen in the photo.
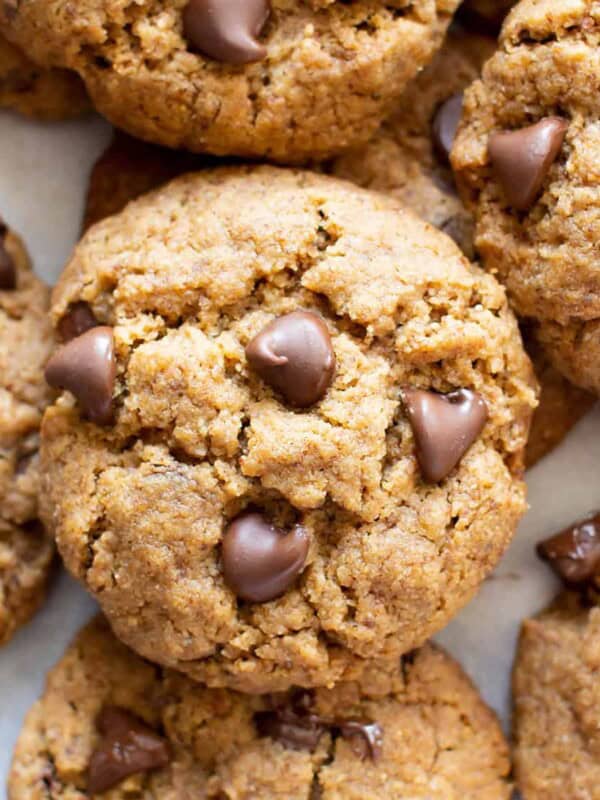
(330, 71)
(25, 343)
(41, 93)
(557, 704)
(438, 739)
(547, 67)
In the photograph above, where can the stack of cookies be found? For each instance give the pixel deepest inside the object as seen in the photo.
(276, 416)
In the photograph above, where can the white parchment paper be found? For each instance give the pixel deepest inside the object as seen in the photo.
(43, 178)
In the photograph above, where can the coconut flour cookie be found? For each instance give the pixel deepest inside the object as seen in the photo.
(25, 344)
(298, 440)
(527, 160)
(415, 727)
(288, 80)
(41, 93)
(557, 703)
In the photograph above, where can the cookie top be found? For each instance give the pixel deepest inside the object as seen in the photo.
(287, 80)
(526, 159)
(413, 728)
(199, 427)
(50, 94)
(557, 703)
(25, 344)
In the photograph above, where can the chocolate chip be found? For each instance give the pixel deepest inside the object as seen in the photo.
(365, 738)
(128, 746)
(227, 30)
(444, 427)
(293, 730)
(294, 355)
(445, 124)
(521, 159)
(574, 554)
(78, 319)
(8, 270)
(86, 367)
(261, 561)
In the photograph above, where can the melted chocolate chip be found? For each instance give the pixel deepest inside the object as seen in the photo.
(260, 561)
(365, 738)
(128, 746)
(227, 30)
(8, 270)
(86, 367)
(294, 730)
(574, 553)
(444, 427)
(294, 355)
(521, 159)
(445, 124)
(78, 319)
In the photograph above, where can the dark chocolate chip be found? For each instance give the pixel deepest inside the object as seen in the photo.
(78, 319)
(521, 159)
(445, 124)
(574, 553)
(8, 270)
(260, 561)
(128, 746)
(294, 355)
(227, 30)
(86, 367)
(444, 427)
(294, 730)
(365, 738)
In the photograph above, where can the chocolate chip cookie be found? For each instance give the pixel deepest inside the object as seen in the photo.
(286, 80)
(526, 159)
(48, 94)
(110, 722)
(25, 343)
(290, 441)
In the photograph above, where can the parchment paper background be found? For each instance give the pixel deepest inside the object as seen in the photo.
(43, 176)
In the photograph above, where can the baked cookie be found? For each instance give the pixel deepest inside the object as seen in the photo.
(260, 365)
(286, 80)
(48, 94)
(557, 703)
(415, 727)
(526, 158)
(25, 343)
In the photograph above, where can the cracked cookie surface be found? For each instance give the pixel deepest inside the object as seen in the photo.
(439, 740)
(330, 72)
(557, 703)
(187, 276)
(26, 552)
(547, 66)
(48, 94)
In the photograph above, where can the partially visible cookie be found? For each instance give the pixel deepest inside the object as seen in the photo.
(557, 703)
(411, 728)
(285, 80)
(526, 158)
(48, 94)
(25, 343)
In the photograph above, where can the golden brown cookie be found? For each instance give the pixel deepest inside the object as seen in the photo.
(287, 80)
(526, 158)
(557, 703)
(197, 428)
(25, 344)
(415, 727)
(48, 94)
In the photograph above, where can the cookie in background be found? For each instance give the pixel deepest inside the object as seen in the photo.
(26, 340)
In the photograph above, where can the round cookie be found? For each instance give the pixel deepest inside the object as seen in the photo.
(26, 552)
(413, 728)
(557, 703)
(196, 430)
(286, 80)
(526, 160)
(47, 94)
